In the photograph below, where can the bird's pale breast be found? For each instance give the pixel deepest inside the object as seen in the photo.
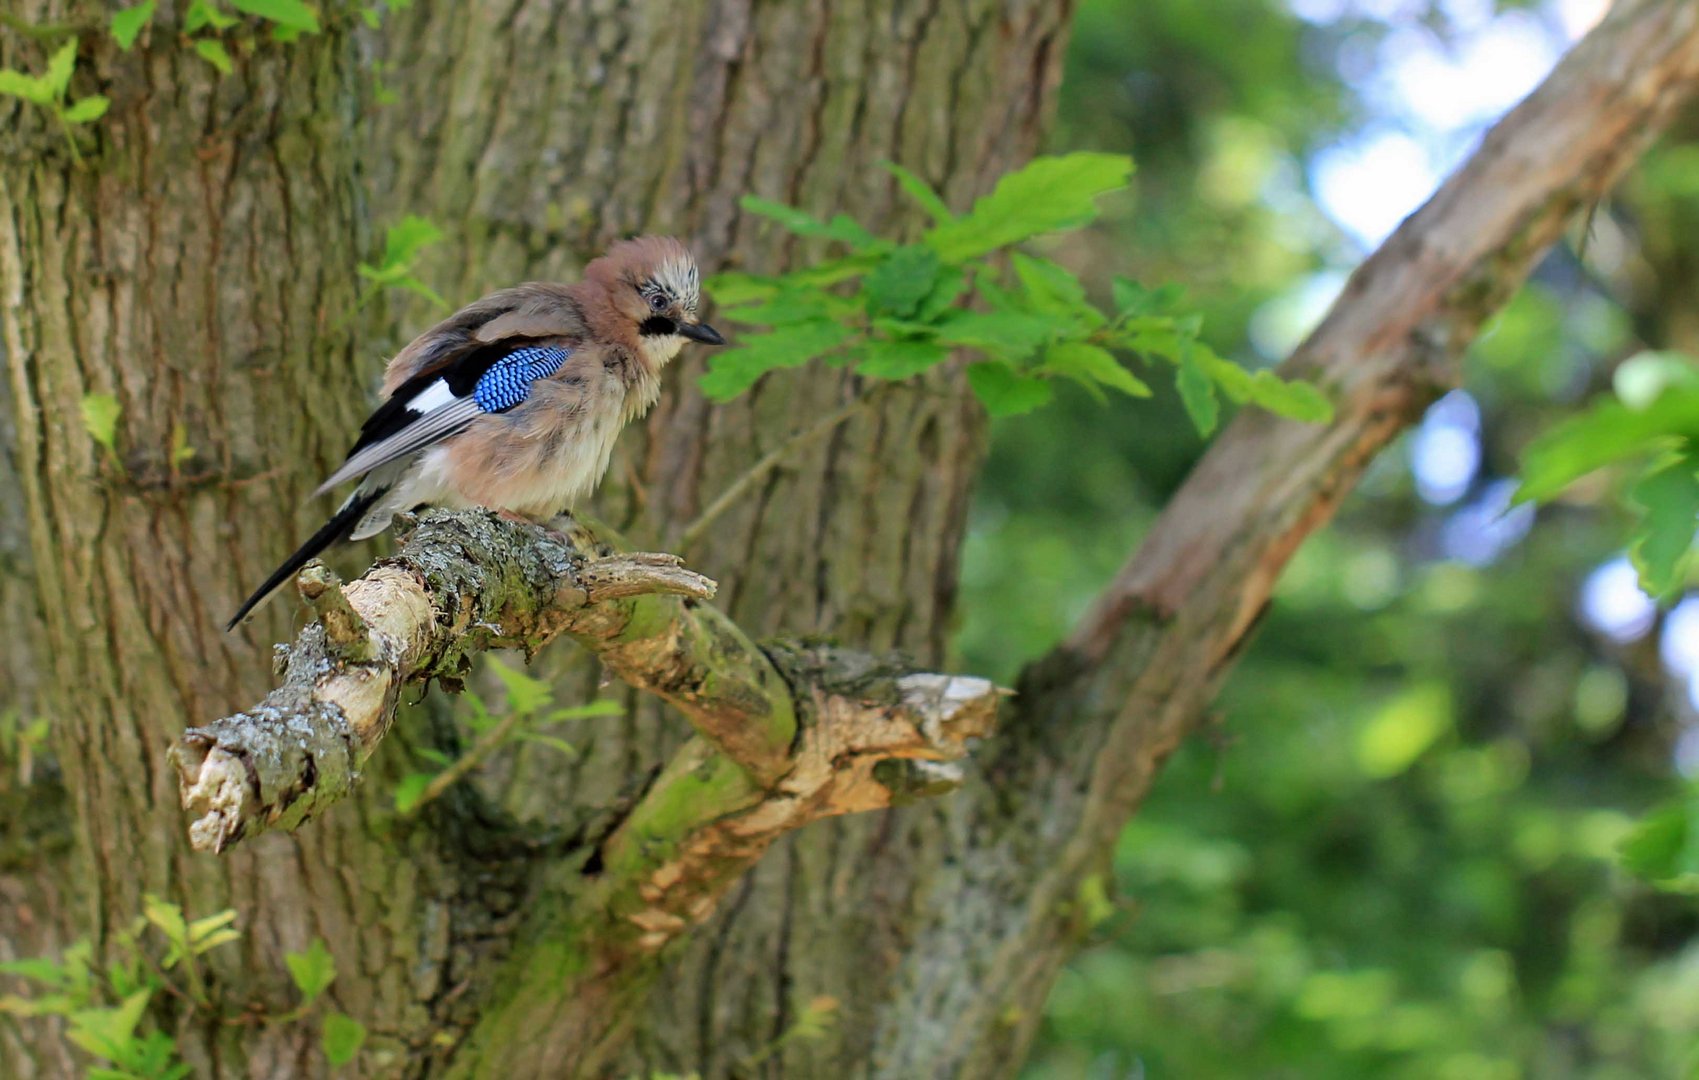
(543, 456)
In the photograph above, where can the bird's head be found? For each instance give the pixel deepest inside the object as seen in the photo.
(652, 285)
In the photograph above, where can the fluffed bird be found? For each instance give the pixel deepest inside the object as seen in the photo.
(514, 402)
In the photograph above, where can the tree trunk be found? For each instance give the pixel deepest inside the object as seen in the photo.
(199, 267)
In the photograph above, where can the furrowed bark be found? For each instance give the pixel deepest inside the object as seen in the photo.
(201, 267)
(195, 268)
(535, 135)
(1095, 719)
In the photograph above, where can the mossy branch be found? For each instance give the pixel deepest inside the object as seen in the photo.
(469, 581)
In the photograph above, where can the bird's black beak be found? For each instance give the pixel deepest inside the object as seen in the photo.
(702, 332)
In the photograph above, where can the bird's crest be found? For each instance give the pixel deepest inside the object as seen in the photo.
(654, 264)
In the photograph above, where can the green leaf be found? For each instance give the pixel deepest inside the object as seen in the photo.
(311, 970)
(841, 228)
(1668, 496)
(168, 917)
(1134, 301)
(1131, 297)
(100, 420)
(107, 1033)
(833, 271)
(410, 790)
(1608, 433)
(402, 244)
(403, 241)
(1664, 846)
(549, 740)
(733, 288)
(1197, 394)
(341, 1037)
(39, 1005)
(1049, 194)
(792, 305)
(414, 285)
(293, 14)
(732, 371)
(212, 52)
(1006, 333)
(590, 710)
(203, 931)
(203, 13)
(86, 110)
(1294, 399)
(28, 87)
(1004, 391)
(1051, 288)
(899, 359)
(59, 68)
(181, 451)
(217, 938)
(901, 281)
(950, 284)
(39, 969)
(127, 24)
(381, 275)
(1233, 381)
(1091, 365)
(920, 191)
(525, 695)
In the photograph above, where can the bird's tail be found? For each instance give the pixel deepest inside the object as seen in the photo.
(337, 528)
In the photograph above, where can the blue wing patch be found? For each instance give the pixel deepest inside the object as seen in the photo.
(508, 380)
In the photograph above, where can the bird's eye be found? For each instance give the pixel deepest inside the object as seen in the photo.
(658, 301)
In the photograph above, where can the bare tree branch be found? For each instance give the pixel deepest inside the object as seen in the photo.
(1392, 340)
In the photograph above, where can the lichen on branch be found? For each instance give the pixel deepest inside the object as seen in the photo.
(468, 581)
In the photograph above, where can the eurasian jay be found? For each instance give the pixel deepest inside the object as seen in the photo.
(513, 402)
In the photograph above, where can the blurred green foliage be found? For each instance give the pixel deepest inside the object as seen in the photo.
(1438, 827)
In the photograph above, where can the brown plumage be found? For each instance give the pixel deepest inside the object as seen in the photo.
(514, 402)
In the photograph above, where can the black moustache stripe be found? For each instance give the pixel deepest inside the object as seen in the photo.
(657, 326)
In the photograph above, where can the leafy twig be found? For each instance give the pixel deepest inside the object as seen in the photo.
(486, 745)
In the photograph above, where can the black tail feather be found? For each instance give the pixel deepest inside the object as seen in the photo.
(337, 528)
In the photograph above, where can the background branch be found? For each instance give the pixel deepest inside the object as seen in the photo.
(1097, 717)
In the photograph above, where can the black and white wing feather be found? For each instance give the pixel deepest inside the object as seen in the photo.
(432, 406)
(423, 411)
